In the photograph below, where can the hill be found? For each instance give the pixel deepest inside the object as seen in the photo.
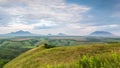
(92, 56)
(102, 33)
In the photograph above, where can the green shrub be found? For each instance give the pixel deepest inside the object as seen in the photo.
(48, 45)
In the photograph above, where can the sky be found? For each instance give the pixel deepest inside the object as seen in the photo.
(72, 17)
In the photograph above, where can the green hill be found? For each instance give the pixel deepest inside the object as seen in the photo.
(87, 56)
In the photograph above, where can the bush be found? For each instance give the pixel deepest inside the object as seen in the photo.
(48, 45)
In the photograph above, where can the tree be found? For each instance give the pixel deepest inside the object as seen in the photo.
(48, 45)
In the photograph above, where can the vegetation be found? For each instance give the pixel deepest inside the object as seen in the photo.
(12, 47)
(89, 56)
(97, 61)
(48, 46)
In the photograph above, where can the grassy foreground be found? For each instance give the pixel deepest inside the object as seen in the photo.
(89, 56)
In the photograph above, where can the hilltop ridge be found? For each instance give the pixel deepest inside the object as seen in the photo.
(67, 57)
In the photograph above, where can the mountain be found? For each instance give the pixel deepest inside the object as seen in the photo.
(19, 33)
(61, 34)
(102, 33)
(27, 33)
(49, 34)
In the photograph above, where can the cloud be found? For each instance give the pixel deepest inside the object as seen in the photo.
(4, 18)
(54, 16)
(45, 24)
(40, 14)
(55, 10)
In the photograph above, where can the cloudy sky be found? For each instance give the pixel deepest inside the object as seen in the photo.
(73, 17)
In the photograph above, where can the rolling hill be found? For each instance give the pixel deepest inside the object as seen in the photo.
(92, 56)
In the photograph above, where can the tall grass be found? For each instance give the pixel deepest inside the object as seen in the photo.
(106, 60)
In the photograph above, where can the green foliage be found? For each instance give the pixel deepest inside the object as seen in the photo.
(10, 49)
(97, 61)
(62, 42)
(3, 61)
(48, 45)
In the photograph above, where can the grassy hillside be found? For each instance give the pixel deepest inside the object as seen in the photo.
(12, 47)
(89, 56)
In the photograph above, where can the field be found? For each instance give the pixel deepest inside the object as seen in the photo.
(69, 50)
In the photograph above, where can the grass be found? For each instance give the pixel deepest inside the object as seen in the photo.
(98, 61)
(89, 56)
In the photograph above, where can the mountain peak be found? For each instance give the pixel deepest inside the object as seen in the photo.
(101, 33)
(61, 34)
(20, 32)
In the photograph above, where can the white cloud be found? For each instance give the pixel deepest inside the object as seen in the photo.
(56, 10)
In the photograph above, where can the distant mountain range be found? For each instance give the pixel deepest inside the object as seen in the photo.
(20, 33)
(102, 33)
(59, 34)
(27, 33)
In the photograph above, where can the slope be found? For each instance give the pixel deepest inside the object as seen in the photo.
(67, 57)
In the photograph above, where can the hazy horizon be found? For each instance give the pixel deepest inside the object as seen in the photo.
(72, 17)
